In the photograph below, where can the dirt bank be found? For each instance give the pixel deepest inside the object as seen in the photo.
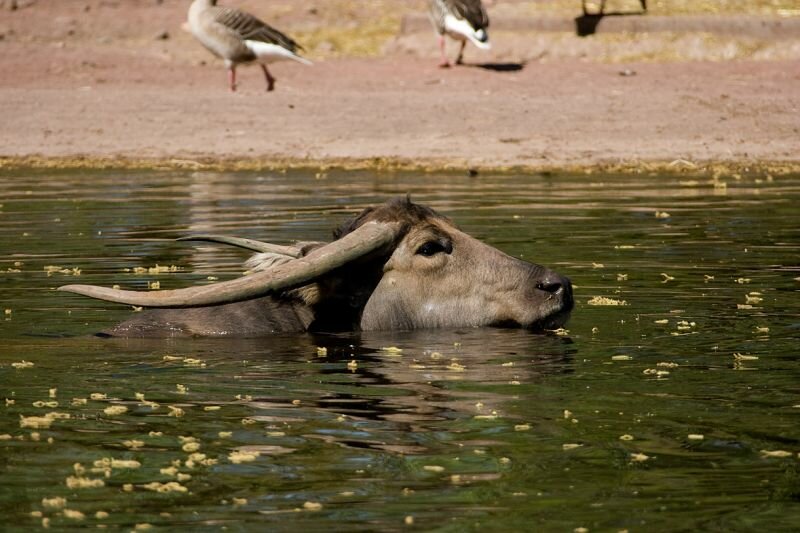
(99, 92)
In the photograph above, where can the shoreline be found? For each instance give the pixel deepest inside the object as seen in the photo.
(710, 168)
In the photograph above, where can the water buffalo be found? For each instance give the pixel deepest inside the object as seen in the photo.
(396, 266)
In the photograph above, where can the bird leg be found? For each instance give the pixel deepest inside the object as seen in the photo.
(232, 77)
(443, 47)
(460, 60)
(269, 78)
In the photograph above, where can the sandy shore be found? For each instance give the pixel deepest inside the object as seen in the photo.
(131, 101)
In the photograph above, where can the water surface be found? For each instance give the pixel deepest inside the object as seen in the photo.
(679, 410)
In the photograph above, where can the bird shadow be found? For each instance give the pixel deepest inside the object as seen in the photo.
(498, 67)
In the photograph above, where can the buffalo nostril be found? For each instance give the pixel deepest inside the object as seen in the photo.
(549, 286)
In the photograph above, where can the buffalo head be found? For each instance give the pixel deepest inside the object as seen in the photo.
(396, 266)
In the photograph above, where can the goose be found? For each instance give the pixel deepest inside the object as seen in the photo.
(239, 37)
(462, 20)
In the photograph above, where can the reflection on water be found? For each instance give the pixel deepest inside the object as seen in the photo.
(677, 411)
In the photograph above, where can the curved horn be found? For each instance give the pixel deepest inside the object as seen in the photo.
(367, 238)
(247, 244)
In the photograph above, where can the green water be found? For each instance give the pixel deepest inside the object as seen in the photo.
(668, 413)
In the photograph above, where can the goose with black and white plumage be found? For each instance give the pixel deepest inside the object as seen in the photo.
(239, 37)
(462, 20)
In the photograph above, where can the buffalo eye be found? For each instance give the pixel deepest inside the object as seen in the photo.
(431, 248)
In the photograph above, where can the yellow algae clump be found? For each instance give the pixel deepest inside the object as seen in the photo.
(626, 437)
(191, 447)
(522, 427)
(662, 214)
(639, 457)
(598, 265)
(655, 372)
(225, 434)
(212, 408)
(753, 298)
(433, 468)
(98, 396)
(408, 520)
(666, 277)
(239, 501)
(239, 457)
(175, 411)
(602, 300)
(133, 444)
(392, 350)
(570, 446)
(621, 357)
(110, 462)
(77, 482)
(22, 364)
(668, 365)
(662, 321)
(41, 422)
(114, 410)
(352, 365)
(695, 436)
(194, 362)
(143, 526)
(50, 404)
(154, 285)
(322, 351)
(169, 471)
(249, 421)
(742, 357)
(101, 515)
(762, 329)
(776, 453)
(169, 486)
(79, 401)
(54, 503)
(73, 514)
(172, 358)
(456, 367)
(312, 506)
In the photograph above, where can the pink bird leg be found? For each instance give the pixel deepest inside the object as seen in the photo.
(442, 46)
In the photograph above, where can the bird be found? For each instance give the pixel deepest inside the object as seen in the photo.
(601, 12)
(239, 37)
(462, 20)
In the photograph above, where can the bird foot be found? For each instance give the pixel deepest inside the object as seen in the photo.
(445, 64)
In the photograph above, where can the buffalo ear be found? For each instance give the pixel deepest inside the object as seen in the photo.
(310, 294)
(265, 261)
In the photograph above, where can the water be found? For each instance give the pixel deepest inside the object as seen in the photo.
(677, 411)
